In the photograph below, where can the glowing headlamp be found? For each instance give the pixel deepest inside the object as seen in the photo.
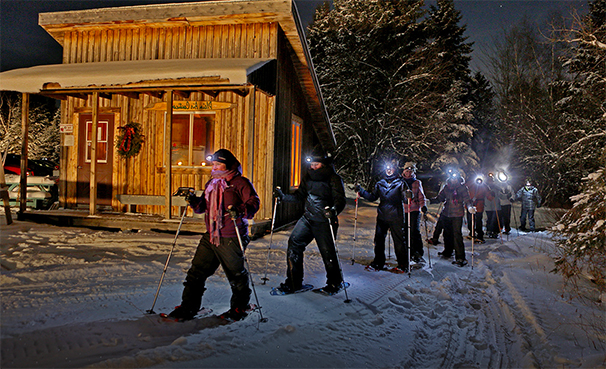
(209, 158)
(502, 176)
(308, 159)
(479, 179)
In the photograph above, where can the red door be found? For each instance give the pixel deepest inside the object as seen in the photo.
(105, 155)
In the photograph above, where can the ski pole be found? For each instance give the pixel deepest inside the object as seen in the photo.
(473, 237)
(427, 238)
(515, 219)
(271, 236)
(388, 244)
(252, 282)
(334, 241)
(498, 220)
(353, 250)
(151, 311)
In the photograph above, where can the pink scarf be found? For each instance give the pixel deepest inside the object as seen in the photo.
(214, 202)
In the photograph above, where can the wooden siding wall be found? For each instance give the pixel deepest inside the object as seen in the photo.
(258, 40)
(144, 173)
(291, 101)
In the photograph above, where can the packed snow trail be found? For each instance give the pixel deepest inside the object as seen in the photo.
(77, 297)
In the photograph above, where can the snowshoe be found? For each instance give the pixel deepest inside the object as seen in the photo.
(182, 314)
(373, 268)
(418, 259)
(460, 263)
(431, 241)
(330, 289)
(237, 314)
(398, 270)
(285, 290)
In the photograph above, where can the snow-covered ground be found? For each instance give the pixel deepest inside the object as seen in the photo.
(74, 297)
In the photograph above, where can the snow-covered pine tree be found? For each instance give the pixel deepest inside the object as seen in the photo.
(581, 233)
(390, 80)
(44, 118)
(582, 103)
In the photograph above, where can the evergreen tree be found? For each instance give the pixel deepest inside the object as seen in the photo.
(392, 82)
(44, 119)
(581, 233)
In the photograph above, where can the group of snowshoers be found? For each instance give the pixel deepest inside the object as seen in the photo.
(230, 200)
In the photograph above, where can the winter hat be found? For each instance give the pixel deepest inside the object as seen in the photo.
(226, 157)
(410, 165)
(318, 156)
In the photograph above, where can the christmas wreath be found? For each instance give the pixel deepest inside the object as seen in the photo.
(130, 140)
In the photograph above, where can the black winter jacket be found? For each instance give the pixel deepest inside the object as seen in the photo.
(391, 194)
(319, 188)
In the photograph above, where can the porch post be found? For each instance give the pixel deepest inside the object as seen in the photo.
(93, 156)
(250, 151)
(167, 153)
(24, 150)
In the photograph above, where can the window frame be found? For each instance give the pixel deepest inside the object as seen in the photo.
(191, 136)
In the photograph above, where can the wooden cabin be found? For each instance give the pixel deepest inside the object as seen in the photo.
(194, 77)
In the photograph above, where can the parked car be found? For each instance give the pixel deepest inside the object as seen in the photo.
(16, 169)
(44, 167)
(37, 167)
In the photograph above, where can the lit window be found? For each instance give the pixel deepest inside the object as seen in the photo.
(192, 138)
(296, 139)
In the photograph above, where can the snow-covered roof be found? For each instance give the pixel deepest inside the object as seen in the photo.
(79, 75)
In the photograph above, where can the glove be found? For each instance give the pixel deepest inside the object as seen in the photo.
(472, 210)
(511, 200)
(278, 194)
(424, 209)
(358, 188)
(408, 194)
(539, 205)
(329, 212)
(190, 197)
(233, 213)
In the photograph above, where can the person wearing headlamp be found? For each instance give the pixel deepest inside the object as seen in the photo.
(455, 197)
(389, 216)
(323, 193)
(529, 195)
(227, 196)
(504, 192)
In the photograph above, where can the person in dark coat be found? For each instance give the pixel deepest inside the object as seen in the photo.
(389, 191)
(226, 194)
(323, 193)
(455, 197)
(529, 195)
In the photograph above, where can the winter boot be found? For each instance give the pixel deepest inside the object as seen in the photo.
(183, 313)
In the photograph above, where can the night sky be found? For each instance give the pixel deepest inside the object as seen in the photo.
(24, 44)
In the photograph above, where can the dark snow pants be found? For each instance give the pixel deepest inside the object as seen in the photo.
(453, 237)
(207, 259)
(492, 223)
(397, 234)
(415, 233)
(479, 232)
(505, 217)
(437, 231)
(530, 213)
(304, 232)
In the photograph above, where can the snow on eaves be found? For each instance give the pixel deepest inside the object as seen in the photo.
(78, 75)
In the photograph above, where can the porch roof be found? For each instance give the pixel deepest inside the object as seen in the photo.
(76, 76)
